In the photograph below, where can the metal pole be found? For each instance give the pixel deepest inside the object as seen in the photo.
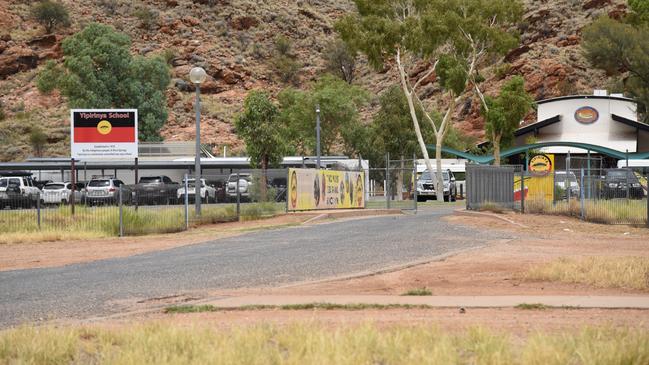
(136, 178)
(197, 182)
(74, 183)
(317, 132)
(627, 174)
(238, 200)
(647, 181)
(590, 179)
(414, 179)
(523, 191)
(121, 214)
(387, 180)
(581, 197)
(38, 209)
(567, 182)
(186, 202)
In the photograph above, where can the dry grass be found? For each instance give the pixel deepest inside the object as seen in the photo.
(47, 236)
(315, 344)
(613, 211)
(598, 271)
(418, 292)
(20, 226)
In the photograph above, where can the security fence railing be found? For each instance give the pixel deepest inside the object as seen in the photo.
(611, 196)
(393, 186)
(108, 207)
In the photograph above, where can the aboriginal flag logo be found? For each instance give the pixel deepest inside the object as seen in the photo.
(104, 127)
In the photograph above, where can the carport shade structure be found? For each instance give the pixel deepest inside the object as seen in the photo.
(521, 149)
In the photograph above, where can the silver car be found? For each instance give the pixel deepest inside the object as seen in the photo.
(106, 191)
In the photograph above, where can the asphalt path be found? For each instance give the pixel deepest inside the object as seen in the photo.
(263, 258)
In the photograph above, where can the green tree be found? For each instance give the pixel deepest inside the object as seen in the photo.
(623, 51)
(340, 60)
(99, 72)
(38, 139)
(449, 38)
(50, 14)
(339, 115)
(505, 112)
(259, 127)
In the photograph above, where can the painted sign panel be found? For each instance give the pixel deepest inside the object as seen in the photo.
(586, 115)
(539, 183)
(310, 189)
(103, 133)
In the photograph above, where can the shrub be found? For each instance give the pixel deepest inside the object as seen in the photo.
(502, 70)
(38, 139)
(284, 61)
(51, 14)
(148, 18)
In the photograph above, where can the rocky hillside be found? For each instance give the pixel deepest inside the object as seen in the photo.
(234, 41)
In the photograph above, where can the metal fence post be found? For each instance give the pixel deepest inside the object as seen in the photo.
(387, 180)
(38, 210)
(186, 203)
(581, 193)
(121, 213)
(238, 199)
(522, 190)
(567, 181)
(647, 181)
(414, 180)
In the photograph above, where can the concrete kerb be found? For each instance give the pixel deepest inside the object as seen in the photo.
(471, 213)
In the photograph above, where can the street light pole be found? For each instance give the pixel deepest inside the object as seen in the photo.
(317, 132)
(197, 76)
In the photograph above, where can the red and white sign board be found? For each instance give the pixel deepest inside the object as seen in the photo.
(103, 133)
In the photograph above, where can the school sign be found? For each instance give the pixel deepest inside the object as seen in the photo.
(104, 133)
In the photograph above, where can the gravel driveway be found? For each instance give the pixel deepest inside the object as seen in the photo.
(256, 259)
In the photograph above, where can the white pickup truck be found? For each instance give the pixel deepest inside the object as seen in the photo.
(29, 193)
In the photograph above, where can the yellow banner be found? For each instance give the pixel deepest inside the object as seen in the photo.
(310, 189)
(539, 182)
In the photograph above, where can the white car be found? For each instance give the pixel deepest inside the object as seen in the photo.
(60, 193)
(28, 190)
(207, 193)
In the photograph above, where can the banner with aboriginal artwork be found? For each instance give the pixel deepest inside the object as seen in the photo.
(310, 189)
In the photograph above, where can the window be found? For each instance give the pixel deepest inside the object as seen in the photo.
(3, 183)
(14, 181)
(98, 183)
(150, 179)
(54, 187)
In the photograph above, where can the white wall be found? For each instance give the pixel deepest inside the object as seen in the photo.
(604, 132)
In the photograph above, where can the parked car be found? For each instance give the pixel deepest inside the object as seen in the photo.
(155, 190)
(426, 186)
(245, 183)
(61, 193)
(207, 193)
(11, 196)
(563, 182)
(29, 193)
(617, 182)
(106, 191)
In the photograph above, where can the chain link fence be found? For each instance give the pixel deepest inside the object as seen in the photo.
(583, 189)
(393, 186)
(106, 206)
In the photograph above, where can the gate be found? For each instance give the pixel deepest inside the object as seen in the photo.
(490, 185)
